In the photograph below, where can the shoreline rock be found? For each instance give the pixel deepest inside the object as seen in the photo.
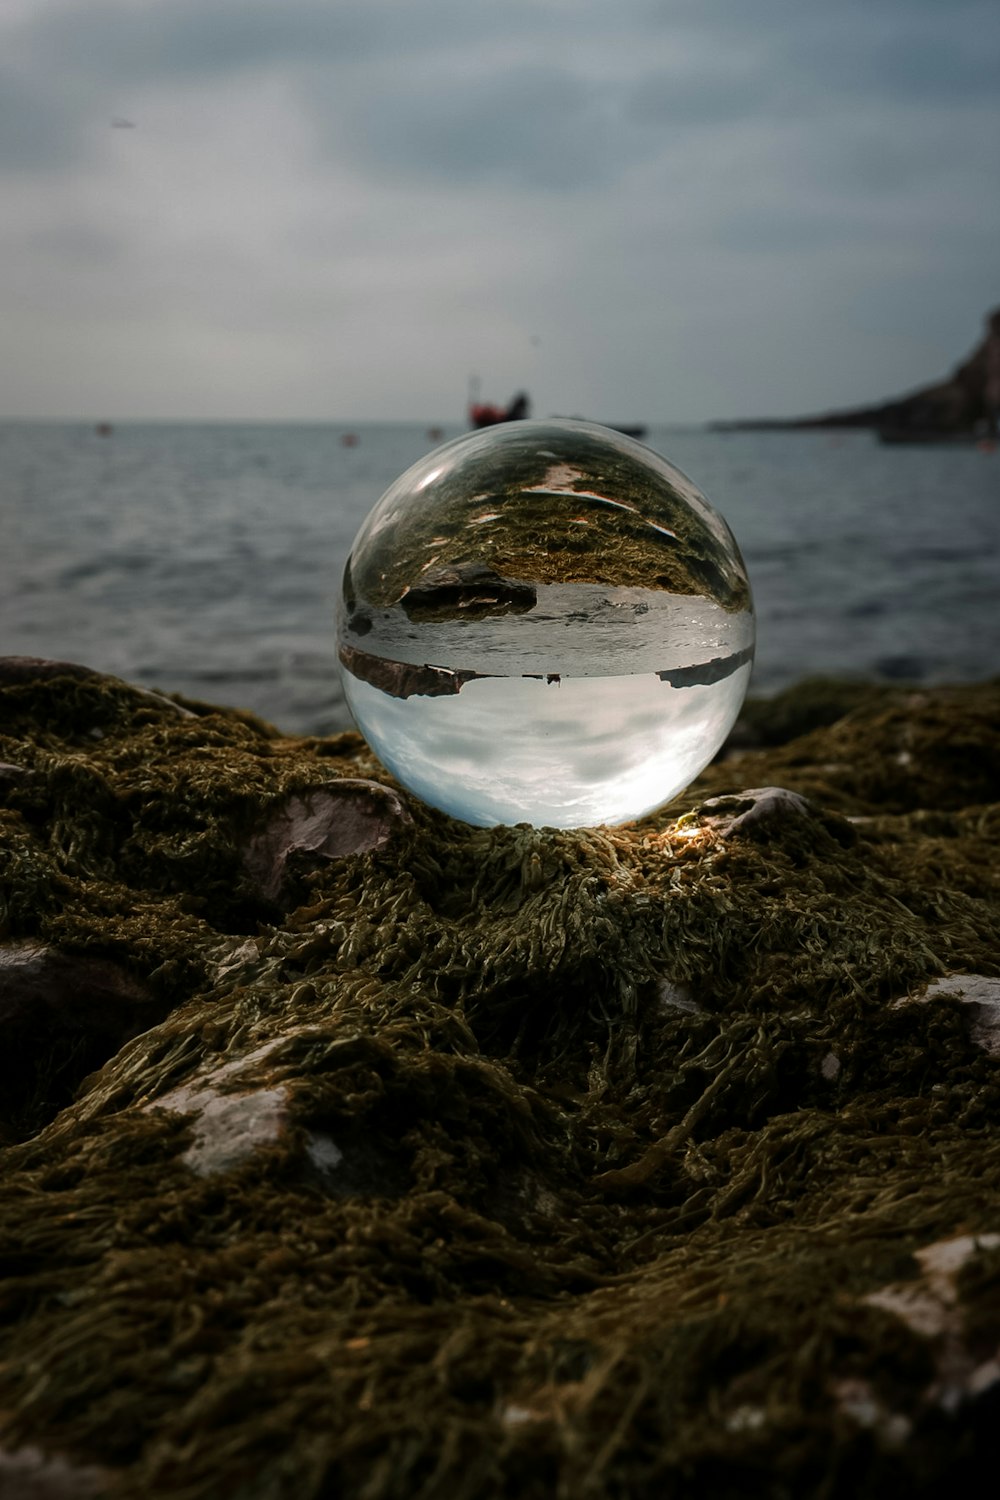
(965, 403)
(511, 1161)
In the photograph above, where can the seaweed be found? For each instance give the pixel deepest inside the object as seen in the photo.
(507, 1162)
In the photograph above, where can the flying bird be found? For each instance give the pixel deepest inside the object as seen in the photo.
(122, 124)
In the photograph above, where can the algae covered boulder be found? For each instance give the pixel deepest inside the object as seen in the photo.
(351, 1151)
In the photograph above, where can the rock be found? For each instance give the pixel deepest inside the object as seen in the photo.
(61, 1015)
(401, 679)
(858, 1400)
(29, 1474)
(930, 1307)
(326, 823)
(981, 993)
(228, 1128)
(324, 1154)
(466, 591)
(752, 810)
(964, 402)
(71, 990)
(237, 1108)
(230, 1122)
(673, 999)
(17, 670)
(706, 672)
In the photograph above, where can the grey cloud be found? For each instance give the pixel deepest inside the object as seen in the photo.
(940, 68)
(531, 126)
(692, 100)
(38, 125)
(72, 69)
(435, 88)
(933, 67)
(406, 63)
(917, 51)
(906, 46)
(635, 182)
(887, 164)
(185, 39)
(736, 17)
(767, 229)
(76, 244)
(162, 39)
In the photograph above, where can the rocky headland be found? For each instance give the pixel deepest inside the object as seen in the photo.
(966, 404)
(352, 1151)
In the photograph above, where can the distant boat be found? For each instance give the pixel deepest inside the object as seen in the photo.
(485, 414)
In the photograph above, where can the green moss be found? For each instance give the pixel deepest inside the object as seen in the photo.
(633, 1122)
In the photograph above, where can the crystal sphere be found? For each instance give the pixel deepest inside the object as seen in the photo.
(545, 622)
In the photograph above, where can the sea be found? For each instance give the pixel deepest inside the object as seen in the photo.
(206, 559)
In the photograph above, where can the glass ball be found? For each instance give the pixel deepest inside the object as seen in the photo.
(545, 622)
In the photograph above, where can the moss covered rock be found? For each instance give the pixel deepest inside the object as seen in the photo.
(452, 1162)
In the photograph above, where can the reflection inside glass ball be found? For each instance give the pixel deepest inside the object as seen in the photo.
(545, 622)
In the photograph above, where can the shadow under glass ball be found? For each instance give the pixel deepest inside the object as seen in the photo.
(545, 622)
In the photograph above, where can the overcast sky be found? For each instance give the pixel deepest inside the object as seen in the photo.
(656, 210)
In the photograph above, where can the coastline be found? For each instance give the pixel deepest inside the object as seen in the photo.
(353, 1150)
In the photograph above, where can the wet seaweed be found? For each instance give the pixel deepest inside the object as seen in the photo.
(504, 1162)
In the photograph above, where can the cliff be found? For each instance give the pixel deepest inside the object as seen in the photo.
(966, 403)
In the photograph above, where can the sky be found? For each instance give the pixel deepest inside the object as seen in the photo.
(636, 210)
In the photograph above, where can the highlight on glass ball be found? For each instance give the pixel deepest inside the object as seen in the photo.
(545, 622)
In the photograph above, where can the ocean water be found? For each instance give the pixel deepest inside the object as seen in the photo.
(206, 559)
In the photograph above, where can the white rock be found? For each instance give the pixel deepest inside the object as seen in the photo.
(857, 1400)
(735, 812)
(981, 992)
(228, 1128)
(671, 998)
(943, 1260)
(928, 1305)
(30, 1474)
(518, 1416)
(746, 1419)
(323, 1151)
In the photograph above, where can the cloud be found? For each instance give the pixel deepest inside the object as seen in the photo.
(346, 207)
(37, 124)
(149, 40)
(925, 64)
(534, 126)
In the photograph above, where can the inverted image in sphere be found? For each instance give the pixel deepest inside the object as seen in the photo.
(547, 623)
